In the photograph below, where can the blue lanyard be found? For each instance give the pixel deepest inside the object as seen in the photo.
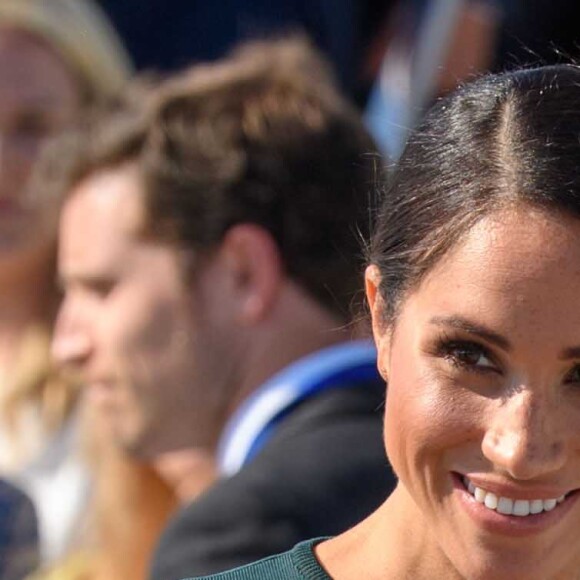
(255, 420)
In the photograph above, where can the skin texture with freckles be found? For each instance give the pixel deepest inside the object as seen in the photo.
(483, 367)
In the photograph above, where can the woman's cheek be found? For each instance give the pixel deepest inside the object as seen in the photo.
(425, 417)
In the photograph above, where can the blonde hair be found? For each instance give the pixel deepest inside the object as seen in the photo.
(130, 507)
(81, 33)
(35, 378)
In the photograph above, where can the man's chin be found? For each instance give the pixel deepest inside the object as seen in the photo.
(134, 443)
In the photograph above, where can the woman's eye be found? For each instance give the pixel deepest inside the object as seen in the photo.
(574, 375)
(29, 130)
(470, 355)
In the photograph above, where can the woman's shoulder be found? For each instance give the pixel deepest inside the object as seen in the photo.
(300, 563)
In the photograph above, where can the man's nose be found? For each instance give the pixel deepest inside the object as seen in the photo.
(71, 342)
(526, 435)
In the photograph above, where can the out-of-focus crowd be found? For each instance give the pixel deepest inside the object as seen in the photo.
(185, 192)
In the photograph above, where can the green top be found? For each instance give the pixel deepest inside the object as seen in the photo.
(300, 563)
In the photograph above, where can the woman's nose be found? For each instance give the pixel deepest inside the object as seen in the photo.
(15, 168)
(526, 435)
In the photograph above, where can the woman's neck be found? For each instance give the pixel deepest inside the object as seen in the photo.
(393, 543)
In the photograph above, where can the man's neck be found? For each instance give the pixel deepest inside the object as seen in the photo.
(298, 327)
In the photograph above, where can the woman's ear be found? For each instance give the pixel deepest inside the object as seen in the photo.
(381, 332)
(372, 287)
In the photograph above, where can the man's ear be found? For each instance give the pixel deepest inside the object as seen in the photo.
(255, 269)
(381, 332)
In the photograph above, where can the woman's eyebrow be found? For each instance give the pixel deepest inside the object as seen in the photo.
(570, 353)
(472, 328)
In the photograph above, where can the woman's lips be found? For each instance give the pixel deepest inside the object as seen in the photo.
(12, 208)
(513, 502)
(512, 513)
(8, 205)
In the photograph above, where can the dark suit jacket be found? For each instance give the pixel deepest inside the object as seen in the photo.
(324, 470)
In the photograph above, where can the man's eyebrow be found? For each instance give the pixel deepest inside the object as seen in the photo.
(83, 278)
(65, 278)
(471, 327)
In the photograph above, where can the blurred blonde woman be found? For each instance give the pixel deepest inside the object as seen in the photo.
(130, 504)
(57, 57)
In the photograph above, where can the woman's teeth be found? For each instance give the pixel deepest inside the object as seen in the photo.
(511, 507)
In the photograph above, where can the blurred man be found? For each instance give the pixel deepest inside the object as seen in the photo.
(209, 256)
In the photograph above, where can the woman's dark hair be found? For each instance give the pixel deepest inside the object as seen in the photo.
(500, 141)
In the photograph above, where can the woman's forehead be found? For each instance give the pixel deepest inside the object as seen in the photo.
(30, 68)
(509, 266)
(519, 235)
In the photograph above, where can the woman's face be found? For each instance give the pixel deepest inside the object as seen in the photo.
(38, 97)
(483, 404)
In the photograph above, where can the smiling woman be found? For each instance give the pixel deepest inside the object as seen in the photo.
(473, 289)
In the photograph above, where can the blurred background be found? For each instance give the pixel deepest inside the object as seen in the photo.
(391, 56)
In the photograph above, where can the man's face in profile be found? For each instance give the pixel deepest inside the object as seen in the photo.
(130, 322)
